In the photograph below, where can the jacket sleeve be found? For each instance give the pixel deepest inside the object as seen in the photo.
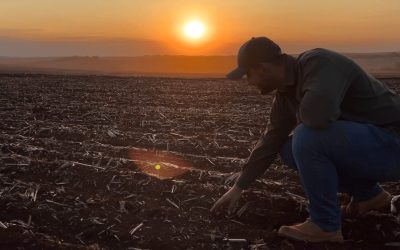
(324, 87)
(281, 123)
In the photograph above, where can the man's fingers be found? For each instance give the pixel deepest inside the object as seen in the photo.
(227, 199)
(217, 205)
(232, 204)
(214, 207)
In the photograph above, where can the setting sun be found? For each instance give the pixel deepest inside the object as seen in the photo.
(194, 29)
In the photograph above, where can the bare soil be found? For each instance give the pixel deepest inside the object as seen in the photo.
(96, 162)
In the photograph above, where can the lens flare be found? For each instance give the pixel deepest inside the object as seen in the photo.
(160, 164)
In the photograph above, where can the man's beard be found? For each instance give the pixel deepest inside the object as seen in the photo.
(265, 88)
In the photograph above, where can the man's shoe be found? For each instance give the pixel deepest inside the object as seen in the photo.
(355, 208)
(309, 231)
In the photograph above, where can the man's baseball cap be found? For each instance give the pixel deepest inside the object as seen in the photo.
(254, 51)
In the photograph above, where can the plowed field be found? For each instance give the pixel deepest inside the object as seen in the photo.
(95, 162)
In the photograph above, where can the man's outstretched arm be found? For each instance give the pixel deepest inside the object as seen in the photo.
(282, 122)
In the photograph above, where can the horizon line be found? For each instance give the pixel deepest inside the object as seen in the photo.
(180, 55)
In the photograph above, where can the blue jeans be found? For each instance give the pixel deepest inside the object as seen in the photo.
(346, 157)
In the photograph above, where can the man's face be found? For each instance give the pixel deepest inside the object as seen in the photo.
(266, 77)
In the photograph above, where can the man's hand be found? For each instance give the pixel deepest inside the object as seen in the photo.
(230, 198)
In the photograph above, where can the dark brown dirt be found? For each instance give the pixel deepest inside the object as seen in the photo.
(69, 178)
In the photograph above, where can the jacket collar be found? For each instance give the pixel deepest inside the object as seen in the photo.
(290, 73)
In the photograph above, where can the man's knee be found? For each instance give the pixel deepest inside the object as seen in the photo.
(304, 137)
(307, 138)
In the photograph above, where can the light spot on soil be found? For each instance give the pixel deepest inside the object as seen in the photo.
(150, 161)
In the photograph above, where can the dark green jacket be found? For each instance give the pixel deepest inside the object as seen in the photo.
(321, 87)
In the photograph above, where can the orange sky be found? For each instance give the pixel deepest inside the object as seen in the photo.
(133, 27)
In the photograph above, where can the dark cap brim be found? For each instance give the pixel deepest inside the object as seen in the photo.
(236, 74)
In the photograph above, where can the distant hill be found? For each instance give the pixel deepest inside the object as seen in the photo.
(190, 66)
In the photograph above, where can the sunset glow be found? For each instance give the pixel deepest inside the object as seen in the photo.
(177, 27)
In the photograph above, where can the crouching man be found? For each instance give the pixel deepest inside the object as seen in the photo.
(332, 122)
